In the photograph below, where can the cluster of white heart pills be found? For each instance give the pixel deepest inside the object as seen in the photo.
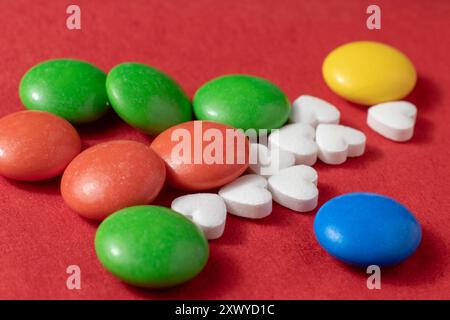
(282, 172)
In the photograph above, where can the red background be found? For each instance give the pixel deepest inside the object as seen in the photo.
(194, 41)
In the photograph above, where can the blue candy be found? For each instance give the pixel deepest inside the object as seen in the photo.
(365, 229)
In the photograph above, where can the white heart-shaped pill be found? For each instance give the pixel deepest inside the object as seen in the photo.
(248, 197)
(394, 120)
(266, 162)
(295, 188)
(337, 142)
(206, 210)
(313, 111)
(297, 138)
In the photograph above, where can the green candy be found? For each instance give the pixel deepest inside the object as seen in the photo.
(146, 98)
(151, 246)
(242, 101)
(71, 89)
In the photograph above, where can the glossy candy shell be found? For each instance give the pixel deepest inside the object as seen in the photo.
(36, 145)
(369, 73)
(365, 229)
(200, 176)
(242, 101)
(111, 176)
(151, 246)
(72, 89)
(147, 98)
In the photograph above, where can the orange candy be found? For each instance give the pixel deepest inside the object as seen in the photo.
(202, 155)
(112, 176)
(36, 145)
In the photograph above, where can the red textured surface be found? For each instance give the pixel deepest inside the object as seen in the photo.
(195, 40)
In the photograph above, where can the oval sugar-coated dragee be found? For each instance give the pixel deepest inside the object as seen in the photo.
(368, 72)
(201, 155)
(151, 246)
(111, 176)
(36, 145)
(242, 101)
(147, 98)
(72, 89)
(365, 229)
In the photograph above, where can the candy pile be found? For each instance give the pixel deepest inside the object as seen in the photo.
(225, 148)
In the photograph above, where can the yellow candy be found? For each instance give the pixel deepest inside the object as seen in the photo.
(369, 73)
